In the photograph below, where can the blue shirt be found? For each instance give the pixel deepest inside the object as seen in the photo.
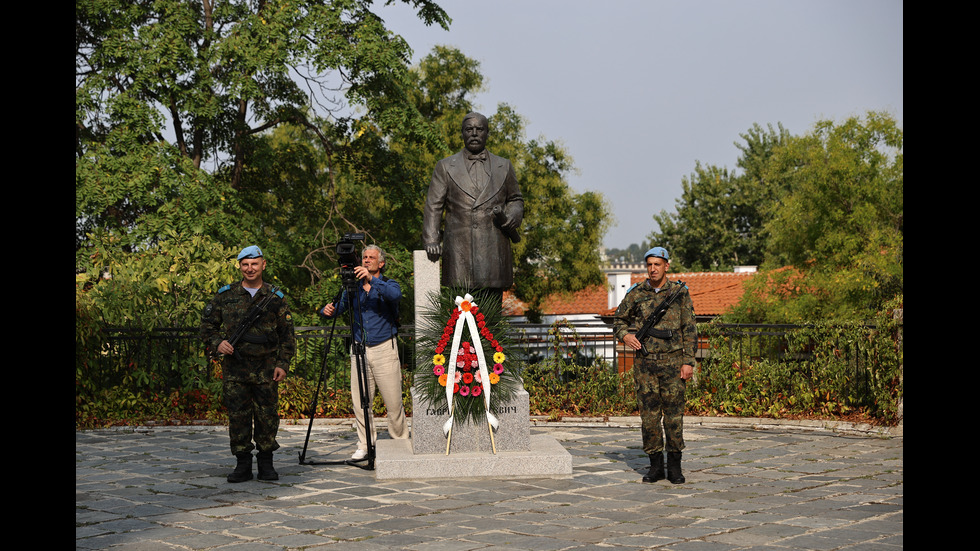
(377, 308)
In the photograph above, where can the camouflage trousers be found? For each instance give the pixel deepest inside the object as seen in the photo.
(660, 393)
(253, 413)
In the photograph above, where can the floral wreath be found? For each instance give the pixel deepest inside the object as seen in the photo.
(472, 375)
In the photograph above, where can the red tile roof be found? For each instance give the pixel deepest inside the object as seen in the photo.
(593, 300)
(711, 292)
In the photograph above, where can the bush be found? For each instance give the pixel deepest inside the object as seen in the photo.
(820, 370)
(569, 383)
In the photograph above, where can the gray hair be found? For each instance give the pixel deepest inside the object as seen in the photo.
(381, 254)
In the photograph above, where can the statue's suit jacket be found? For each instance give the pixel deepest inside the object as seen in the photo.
(475, 252)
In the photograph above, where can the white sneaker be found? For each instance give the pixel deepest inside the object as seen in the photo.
(358, 455)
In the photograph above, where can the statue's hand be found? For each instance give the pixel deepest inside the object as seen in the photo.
(434, 251)
(501, 219)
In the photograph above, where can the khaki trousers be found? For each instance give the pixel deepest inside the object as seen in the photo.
(384, 374)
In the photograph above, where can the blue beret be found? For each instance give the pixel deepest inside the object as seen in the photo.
(657, 251)
(250, 252)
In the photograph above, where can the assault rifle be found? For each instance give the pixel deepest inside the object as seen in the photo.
(648, 331)
(252, 316)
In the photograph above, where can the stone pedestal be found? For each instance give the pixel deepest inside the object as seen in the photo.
(518, 453)
(512, 434)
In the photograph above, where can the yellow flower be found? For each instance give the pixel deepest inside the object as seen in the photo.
(438, 359)
(498, 357)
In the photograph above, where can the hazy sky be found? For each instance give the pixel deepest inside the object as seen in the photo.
(638, 91)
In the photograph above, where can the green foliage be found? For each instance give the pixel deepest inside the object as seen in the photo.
(434, 349)
(822, 370)
(830, 371)
(822, 213)
(567, 383)
(164, 89)
(166, 285)
(720, 216)
(841, 220)
(123, 406)
(216, 70)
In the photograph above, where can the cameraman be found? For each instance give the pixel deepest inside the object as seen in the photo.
(375, 327)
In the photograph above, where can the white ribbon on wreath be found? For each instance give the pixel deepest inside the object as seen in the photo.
(467, 318)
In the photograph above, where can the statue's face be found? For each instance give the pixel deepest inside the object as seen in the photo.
(475, 133)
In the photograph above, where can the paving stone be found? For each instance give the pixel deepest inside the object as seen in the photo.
(772, 489)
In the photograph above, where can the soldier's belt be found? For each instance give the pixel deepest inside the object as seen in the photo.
(664, 355)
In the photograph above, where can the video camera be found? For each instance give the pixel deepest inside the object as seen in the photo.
(347, 255)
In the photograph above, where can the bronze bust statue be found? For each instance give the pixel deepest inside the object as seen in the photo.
(483, 206)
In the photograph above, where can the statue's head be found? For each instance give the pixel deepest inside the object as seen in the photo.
(475, 131)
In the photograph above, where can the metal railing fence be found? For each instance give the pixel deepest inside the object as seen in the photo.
(164, 356)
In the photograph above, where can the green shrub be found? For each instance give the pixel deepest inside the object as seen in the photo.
(823, 370)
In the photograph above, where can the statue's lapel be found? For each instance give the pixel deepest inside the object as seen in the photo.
(498, 173)
(457, 171)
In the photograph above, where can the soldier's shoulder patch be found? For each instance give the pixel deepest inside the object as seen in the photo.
(631, 288)
(279, 294)
(225, 288)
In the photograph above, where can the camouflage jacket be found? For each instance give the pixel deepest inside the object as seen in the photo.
(269, 343)
(641, 301)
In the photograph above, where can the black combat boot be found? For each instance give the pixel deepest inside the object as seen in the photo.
(674, 474)
(243, 471)
(266, 470)
(656, 471)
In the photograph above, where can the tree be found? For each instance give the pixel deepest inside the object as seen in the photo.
(841, 218)
(821, 213)
(202, 80)
(720, 217)
(221, 73)
(174, 102)
(165, 286)
(705, 233)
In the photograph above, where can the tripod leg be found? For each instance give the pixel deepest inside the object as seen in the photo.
(319, 383)
(366, 400)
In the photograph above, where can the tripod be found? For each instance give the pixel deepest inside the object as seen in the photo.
(357, 353)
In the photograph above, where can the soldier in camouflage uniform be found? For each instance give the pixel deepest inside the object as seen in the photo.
(253, 367)
(661, 376)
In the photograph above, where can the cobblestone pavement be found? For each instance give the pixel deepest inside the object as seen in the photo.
(164, 488)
